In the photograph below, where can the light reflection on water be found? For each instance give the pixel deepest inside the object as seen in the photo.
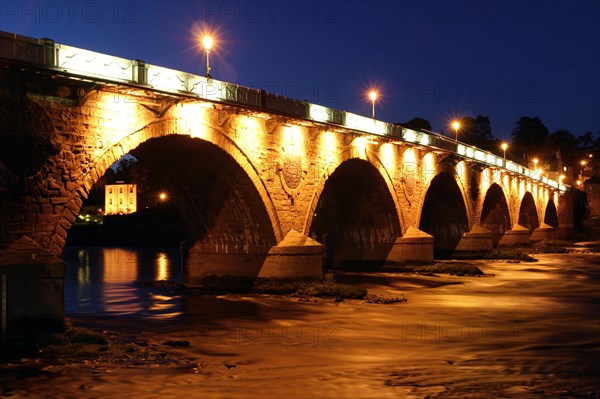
(105, 281)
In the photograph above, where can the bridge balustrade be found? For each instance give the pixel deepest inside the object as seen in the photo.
(84, 63)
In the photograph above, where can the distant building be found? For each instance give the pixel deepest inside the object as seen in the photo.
(120, 199)
(592, 191)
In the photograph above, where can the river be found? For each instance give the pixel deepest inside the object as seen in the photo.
(104, 281)
(532, 330)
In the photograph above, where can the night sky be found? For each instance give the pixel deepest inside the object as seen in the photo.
(435, 59)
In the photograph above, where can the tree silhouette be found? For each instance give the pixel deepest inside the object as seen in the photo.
(527, 137)
(417, 124)
(562, 144)
(478, 132)
(587, 140)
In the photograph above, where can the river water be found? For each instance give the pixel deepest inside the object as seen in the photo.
(105, 281)
(532, 330)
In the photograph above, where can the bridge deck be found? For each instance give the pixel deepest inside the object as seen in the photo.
(76, 63)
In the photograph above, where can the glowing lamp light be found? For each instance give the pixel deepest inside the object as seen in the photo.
(373, 96)
(207, 42)
(504, 146)
(456, 126)
(162, 196)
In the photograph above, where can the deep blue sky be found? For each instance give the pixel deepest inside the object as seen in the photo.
(434, 59)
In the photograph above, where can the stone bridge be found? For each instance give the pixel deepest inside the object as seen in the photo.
(267, 186)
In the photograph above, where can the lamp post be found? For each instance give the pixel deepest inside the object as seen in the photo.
(504, 147)
(583, 163)
(456, 126)
(373, 97)
(207, 42)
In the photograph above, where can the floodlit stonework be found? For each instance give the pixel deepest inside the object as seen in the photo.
(279, 170)
(262, 193)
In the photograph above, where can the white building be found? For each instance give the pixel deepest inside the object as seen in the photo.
(120, 199)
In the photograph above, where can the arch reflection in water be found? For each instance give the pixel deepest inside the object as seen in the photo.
(106, 281)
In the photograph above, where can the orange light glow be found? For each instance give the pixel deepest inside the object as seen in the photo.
(162, 266)
(373, 95)
(207, 42)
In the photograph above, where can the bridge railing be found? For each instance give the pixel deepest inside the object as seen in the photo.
(45, 53)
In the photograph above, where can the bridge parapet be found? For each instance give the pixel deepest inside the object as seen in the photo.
(85, 64)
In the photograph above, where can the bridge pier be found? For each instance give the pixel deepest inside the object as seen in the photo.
(295, 257)
(31, 290)
(571, 210)
(564, 232)
(517, 235)
(475, 240)
(414, 246)
(544, 232)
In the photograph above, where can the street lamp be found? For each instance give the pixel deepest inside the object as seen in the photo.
(504, 147)
(583, 163)
(207, 42)
(456, 126)
(162, 197)
(373, 97)
(535, 163)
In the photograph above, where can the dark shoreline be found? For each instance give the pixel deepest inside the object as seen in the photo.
(146, 228)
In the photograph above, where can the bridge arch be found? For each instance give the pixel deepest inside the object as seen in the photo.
(355, 215)
(176, 125)
(348, 154)
(219, 201)
(444, 213)
(528, 215)
(495, 215)
(551, 214)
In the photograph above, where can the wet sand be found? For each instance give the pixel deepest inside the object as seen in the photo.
(531, 331)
